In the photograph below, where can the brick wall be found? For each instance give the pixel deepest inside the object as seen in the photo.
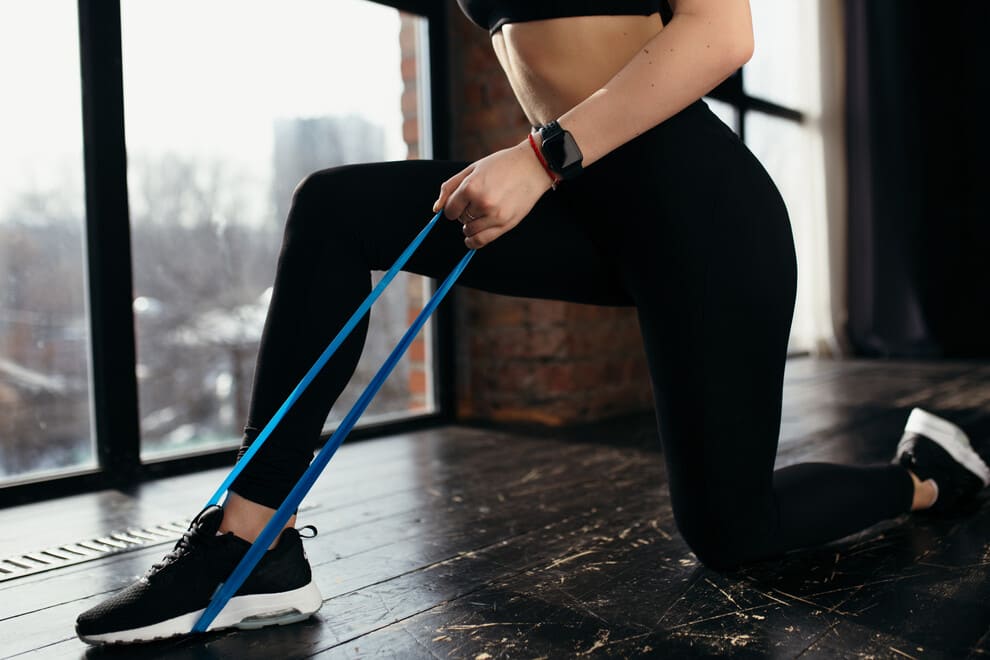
(523, 359)
(417, 356)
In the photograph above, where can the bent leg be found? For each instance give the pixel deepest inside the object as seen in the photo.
(713, 274)
(347, 221)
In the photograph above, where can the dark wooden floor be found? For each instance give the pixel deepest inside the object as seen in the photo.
(473, 543)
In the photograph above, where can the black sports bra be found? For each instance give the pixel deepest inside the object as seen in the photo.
(493, 14)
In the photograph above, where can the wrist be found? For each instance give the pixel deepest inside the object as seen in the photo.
(560, 151)
(534, 144)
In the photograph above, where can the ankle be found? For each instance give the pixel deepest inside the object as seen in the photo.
(246, 519)
(925, 493)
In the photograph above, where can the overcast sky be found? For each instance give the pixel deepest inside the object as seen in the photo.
(200, 76)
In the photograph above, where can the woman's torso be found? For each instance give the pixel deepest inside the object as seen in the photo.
(553, 64)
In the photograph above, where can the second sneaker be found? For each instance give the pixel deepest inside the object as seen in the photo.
(935, 448)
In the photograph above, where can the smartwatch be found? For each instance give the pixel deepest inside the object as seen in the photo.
(561, 151)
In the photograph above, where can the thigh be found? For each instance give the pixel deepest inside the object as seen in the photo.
(549, 254)
(711, 267)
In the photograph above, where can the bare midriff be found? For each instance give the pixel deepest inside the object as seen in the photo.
(554, 64)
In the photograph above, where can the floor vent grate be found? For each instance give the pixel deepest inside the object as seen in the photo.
(68, 554)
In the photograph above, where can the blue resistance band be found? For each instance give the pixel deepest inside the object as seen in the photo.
(275, 525)
(324, 358)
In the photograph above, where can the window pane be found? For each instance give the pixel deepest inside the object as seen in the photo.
(219, 132)
(783, 68)
(724, 111)
(788, 151)
(44, 328)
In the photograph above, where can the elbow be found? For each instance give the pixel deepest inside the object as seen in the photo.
(744, 47)
(743, 50)
(731, 31)
(724, 24)
(739, 28)
(738, 50)
(732, 56)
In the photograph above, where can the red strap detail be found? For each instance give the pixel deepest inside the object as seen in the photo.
(554, 179)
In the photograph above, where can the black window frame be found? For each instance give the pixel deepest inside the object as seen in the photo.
(733, 92)
(114, 388)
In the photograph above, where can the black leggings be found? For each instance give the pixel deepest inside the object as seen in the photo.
(684, 224)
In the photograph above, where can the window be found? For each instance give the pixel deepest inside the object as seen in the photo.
(775, 103)
(219, 133)
(227, 105)
(44, 327)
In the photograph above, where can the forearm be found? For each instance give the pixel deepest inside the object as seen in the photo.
(703, 45)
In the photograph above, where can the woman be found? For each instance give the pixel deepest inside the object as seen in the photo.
(631, 193)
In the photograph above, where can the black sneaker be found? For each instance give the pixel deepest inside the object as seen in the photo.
(173, 593)
(935, 448)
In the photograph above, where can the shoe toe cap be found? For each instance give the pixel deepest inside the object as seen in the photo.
(120, 611)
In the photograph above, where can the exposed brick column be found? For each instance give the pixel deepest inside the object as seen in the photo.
(522, 359)
(408, 47)
(418, 379)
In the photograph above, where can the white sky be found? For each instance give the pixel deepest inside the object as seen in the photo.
(204, 76)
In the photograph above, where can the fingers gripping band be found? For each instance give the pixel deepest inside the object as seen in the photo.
(274, 526)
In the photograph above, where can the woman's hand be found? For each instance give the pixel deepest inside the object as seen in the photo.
(492, 195)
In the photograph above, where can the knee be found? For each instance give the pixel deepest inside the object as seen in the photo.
(723, 540)
(312, 187)
(719, 553)
(323, 189)
(322, 201)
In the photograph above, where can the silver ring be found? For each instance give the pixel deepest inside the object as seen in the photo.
(468, 214)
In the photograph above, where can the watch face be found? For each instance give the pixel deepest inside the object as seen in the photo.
(553, 149)
(561, 151)
(572, 155)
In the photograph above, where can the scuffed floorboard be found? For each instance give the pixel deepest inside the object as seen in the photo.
(482, 543)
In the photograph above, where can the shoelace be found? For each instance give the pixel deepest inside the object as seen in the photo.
(187, 542)
(190, 538)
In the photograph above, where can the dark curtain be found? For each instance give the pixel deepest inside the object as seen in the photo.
(917, 147)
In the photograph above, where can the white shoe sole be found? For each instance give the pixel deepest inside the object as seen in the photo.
(246, 612)
(948, 436)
